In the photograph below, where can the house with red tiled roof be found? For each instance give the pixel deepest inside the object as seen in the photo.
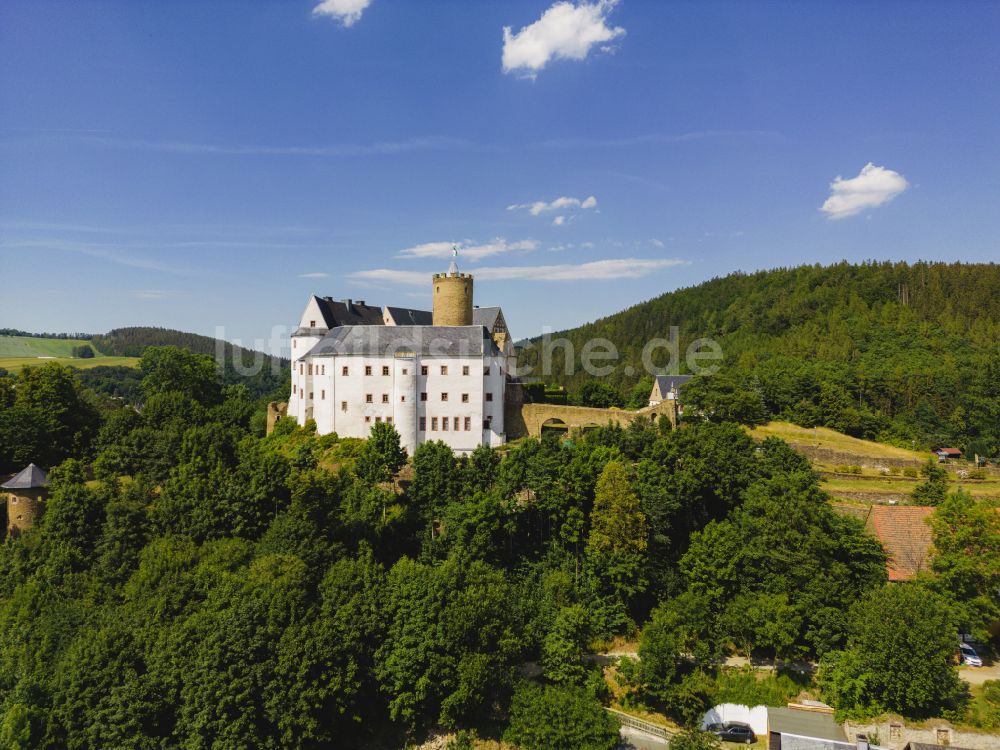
(945, 454)
(906, 536)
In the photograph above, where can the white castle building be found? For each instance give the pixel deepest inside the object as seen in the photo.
(438, 375)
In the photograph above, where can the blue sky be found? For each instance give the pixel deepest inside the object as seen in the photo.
(208, 165)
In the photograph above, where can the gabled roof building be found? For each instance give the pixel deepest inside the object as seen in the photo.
(438, 375)
(25, 500)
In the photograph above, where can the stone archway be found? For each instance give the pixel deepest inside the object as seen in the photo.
(554, 423)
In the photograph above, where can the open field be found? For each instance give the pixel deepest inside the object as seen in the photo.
(828, 449)
(827, 439)
(28, 346)
(885, 489)
(15, 364)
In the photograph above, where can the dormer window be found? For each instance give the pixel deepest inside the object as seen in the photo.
(312, 323)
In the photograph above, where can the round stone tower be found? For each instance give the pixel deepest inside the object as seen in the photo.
(452, 296)
(26, 499)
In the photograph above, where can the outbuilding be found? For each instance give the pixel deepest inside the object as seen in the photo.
(26, 497)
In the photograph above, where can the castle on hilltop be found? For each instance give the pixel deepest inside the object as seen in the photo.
(438, 375)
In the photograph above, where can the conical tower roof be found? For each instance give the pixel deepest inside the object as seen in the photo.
(29, 477)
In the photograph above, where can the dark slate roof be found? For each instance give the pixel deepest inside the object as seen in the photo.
(29, 477)
(485, 316)
(669, 382)
(440, 341)
(804, 723)
(348, 313)
(404, 316)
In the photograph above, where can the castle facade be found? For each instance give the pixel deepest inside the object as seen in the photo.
(438, 375)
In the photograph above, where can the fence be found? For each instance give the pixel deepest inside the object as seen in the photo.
(627, 720)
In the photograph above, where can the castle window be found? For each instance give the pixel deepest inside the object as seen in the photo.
(489, 396)
(344, 371)
(486, 370)
(456, 424)
(343, 406)
(444, 396)
(423, 396)
(405, 371)
(385, 369)
(402, 399)
(423, 369)
(389, 420)
(302, 369)
(368, 419)
(468, 423)
(310, 395)
(312, 323)
(322, 395)
(378, 419)
(294, 389)
(434, 424)
(295, 344)
(423, 424)
(368, 398)
(444, 369)
(385, 398)
(465, 398)
(465, 369)
(368, 369)
(444, 424)
(310, 368)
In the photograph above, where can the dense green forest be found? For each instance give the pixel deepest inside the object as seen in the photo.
(903, 353)
(194, 583)
(259, 372)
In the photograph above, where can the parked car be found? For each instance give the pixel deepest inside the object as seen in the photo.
(733, 731)
(968, 656)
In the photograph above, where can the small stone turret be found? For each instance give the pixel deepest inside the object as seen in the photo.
(452, 296)
(26, 498)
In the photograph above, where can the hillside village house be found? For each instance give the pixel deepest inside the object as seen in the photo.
(945, 454)
(438, 375)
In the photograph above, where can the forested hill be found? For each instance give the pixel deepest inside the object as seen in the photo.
(262, 373)
(894, 351)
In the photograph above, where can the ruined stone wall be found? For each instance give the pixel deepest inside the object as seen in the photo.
(894, 733)
(528, 419)
(275, 409)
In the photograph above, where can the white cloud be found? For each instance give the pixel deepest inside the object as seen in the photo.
(467, 249)
(154, 294)
(598, 270)
(872, 187)
(564, 31)
(348, 12)
(657, 243)
(559, 204)
(610, 268)
(313, 275)
(559, 221)
(392, 276)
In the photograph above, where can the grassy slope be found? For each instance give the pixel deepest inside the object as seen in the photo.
(870, 485)
(27, 346)
(15, 364)
(824, 437)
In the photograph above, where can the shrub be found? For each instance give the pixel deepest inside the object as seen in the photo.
(557, 718)
(743, 686)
